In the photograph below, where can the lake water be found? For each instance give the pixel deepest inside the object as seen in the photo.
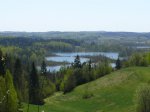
(65, 59)
(111, 55)
(143, 47)
(69, 57)
(53, 68)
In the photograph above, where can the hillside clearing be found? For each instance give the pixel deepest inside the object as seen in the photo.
(111, 93)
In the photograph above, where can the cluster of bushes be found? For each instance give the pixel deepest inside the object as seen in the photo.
(138, 59)
(78, 74)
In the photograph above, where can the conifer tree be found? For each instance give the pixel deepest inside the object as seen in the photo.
(11, 95)
(34, 86)
(43, 68)
(8, 63)
(18, 78)
(2, 64)
(89, 65)
(118, 64)
(77, 63)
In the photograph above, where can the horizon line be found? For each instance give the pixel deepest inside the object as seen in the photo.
(11, 31)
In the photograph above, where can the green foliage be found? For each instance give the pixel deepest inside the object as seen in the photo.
(2, 64)
(69, 81)
(86, 73)
(118, 64)
(79, 74)
(20, 107)
(18, 78)
(54, 46)
(34, 87)
(87, 93)
(143, 98)
(47, 88)
(138, 59)
(11, 97)
(112, 93)
(43, 68)
(11, 50)
(77, 63)
(2, 94)
(102, 69)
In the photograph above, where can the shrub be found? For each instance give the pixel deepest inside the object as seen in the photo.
(143, 98)
(87, 95)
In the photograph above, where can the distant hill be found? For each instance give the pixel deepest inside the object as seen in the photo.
(82, 34)
(112, 93)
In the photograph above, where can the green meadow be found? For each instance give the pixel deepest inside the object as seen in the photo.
(114, 92)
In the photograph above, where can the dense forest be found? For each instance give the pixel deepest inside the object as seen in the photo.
(123, 42)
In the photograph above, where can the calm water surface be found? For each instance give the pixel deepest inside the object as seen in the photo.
(69, 57)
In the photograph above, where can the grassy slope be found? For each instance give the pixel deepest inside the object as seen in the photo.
(112, 93)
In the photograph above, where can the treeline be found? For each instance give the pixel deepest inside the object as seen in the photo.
(21, 42)
(53, 46)
(24, 42)
(68, 45)
(30, 54)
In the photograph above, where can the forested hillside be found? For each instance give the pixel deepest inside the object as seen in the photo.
(26, 84)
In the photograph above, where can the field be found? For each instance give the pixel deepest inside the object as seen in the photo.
(112, 93)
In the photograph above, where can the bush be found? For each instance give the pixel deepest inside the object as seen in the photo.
(87, 95)
(69, 81)
(143, 98)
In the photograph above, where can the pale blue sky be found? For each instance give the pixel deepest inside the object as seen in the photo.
(75, 15)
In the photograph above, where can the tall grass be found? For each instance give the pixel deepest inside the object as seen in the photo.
(143, 98)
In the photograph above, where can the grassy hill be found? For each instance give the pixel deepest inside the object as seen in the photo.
(112, 93)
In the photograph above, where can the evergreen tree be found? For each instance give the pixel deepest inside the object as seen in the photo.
(17, 72)
(18, 78)
(2, 64)
(118, 64)
(43, 79)
(2, 94)
(34, 87)
(89, 65)
(43, 68)
(11, 95)
(77, 63)
(8, 63)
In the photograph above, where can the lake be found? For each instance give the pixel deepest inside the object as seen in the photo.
(111, 55)
(143, 47)
(65, 59)
(69, 57)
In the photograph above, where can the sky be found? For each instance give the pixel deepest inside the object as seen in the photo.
(75, 15)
